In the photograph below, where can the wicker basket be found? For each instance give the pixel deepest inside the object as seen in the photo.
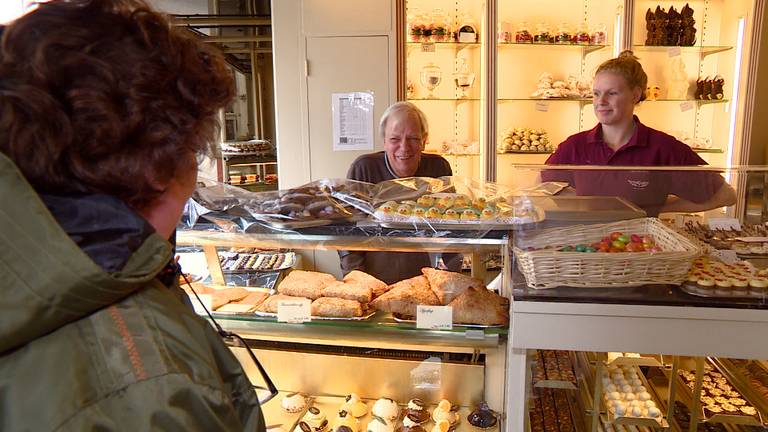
(549, 268)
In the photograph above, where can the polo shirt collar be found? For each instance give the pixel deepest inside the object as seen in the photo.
(639, 136)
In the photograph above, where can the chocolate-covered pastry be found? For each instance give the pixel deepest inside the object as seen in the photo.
(482, 417)
(706, 92)
(417, 411)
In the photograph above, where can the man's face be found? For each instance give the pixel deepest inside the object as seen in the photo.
(403, 144)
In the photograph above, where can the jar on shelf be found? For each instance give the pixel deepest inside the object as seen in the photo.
(440, 28)
(581, 36)
(431, 77)
(504, 32)
(543, 34)
(523, 33)
(467, 29)
(415, 24)
(598, 34)
(564, 33)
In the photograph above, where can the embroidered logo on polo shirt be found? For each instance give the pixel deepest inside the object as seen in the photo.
(639, 184)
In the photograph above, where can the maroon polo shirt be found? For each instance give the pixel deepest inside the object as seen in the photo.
(646, 147)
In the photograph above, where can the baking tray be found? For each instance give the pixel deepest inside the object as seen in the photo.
(409, 320)
(586, 208)
(687, 399)
(640, 421)
(479, 225)
(295, 224)
(691, 289)
(740, 383)
(366, 316)
(290, 261)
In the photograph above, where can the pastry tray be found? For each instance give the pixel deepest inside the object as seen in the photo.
(366, 316)
(295, 224)
(639, 421)
(691, 289)
(288, 262)
(441, 226)
(404, 319)
(717, 418)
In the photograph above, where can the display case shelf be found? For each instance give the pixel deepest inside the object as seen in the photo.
(708, 150)
(581, 100)
(444, 99)
(702, 50)
(446, 45)
(523, 152)
(390, 241)
(381, 328)
(585, 48)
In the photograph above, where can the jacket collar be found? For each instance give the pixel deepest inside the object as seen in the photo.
(49, 280)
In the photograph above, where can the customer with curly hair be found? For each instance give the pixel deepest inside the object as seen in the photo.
(104, 110)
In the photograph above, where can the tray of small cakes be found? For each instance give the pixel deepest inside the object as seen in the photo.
(711, 278)
(720, 401)
(454, 211)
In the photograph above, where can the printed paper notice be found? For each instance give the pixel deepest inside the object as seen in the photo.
(294, 311)
(434, 317)
(352, 121)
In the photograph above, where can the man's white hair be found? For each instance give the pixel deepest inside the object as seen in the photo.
(403, 110)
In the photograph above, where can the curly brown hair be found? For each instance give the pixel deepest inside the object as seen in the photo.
(106, 96)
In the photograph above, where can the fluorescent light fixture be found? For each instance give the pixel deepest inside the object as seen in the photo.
(617, 36)
(735, 97)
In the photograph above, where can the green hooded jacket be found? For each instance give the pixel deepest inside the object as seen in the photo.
(90, 339)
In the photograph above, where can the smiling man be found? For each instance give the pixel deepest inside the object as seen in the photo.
(405, 132)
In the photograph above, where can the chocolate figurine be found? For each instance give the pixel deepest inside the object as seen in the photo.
(717, 92)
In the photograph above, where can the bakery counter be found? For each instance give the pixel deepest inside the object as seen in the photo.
(380, 331)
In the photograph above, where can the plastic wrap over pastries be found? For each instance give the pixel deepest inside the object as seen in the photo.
(415, 200)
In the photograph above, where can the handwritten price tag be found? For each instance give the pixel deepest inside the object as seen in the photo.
(674, 51)
(542, 106)
(686, 106)
(294, 311)
(428, 47)
(724, 224)
(434, 317)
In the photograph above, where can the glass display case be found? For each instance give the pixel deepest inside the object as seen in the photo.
(614, 309)
(619, 311)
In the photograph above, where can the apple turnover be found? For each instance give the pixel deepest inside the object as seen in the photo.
(349, 290)
(336, 307)
(377, 287)
(404, 296)
(480, 306)
(449, 285)
(307, 284)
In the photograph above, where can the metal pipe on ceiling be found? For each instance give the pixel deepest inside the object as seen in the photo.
(232, 39)
(219, 21)
(246, 50)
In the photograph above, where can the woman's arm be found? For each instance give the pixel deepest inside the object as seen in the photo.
(725, 196)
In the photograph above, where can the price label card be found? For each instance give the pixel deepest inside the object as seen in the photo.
(294, 311)
(727, 256)
(724, 224)
(674, 51)
(542, 106)
(206, 301)
(428, 47)
(434, 317)
(686, 106)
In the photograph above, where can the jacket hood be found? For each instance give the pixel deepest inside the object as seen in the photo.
(63, 257)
